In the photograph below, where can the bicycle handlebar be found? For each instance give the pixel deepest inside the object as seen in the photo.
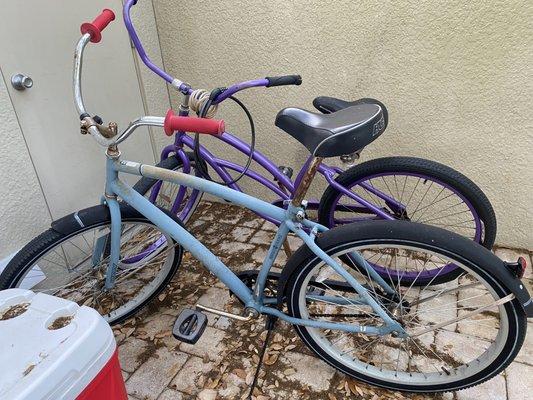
(92, 32)
(266, 82)
(175, 123)
(140, 49)
(284, 80)
(96, 27)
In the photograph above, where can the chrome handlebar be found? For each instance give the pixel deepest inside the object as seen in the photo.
(108, 137)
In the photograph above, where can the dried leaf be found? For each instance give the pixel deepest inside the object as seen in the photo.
(163, 334)
(289, 371)
(271, 359)
(249, 378)
(241, 373)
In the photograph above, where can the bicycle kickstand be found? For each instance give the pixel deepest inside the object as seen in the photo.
(269, 326)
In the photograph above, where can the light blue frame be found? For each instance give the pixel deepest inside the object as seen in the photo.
(252, 299)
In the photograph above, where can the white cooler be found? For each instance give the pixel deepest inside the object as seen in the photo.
(51, 348)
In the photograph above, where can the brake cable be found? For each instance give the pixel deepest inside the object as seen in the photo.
(202, 113)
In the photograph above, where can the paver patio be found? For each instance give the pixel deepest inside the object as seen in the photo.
(221, 365)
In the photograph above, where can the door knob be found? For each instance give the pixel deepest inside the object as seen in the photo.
(21, 82)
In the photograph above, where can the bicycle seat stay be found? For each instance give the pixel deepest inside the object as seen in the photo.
(329, 135)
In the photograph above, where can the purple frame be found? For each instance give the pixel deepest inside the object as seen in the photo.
(280, 184)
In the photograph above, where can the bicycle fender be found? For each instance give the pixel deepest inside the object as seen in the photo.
(93, 215)
(402, 231)
(81, 219)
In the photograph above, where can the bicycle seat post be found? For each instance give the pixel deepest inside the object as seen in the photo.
(307, 178)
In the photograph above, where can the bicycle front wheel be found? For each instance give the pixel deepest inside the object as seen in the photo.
(62, 263)
(164, 194)
(459, 334)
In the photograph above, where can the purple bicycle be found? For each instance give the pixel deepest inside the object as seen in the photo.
(404, 188)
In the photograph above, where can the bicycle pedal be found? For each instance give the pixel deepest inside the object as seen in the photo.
(189, 326)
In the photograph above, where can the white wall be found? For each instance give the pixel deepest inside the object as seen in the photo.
(23, 210)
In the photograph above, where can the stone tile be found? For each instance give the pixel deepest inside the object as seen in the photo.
(215, 297)
(253, 223)
(152, 377)
(269, 226)
(157, 323)
(213, 234)
(207, 394)
(230, 248)
(241, 234)
(222, 323)
(482, 326)
(187, 379)
(294, 242)
(129, 352)
(310, 371)
(125, 375)
(446, 305)
(198, 226)
(460, 347)
(493, 389)
(209, 344)
(519, 382)
(260, 254)
(170, 394)
(233, 387)
(262, 238)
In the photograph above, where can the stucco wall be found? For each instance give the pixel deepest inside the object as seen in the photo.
(23, 211)
(154, 90)
(456, 77)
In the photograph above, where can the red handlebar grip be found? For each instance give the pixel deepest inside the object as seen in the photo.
(175, 123)
(96, 27)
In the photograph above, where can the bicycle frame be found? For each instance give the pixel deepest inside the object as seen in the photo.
(291, 219)
(288, 223)
(280, 184)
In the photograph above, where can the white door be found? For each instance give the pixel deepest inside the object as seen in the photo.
(37, 39)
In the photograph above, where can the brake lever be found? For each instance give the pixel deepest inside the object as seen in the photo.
(109, 131)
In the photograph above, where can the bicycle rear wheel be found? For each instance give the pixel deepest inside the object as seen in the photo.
(460, 333)
(61, 263)
(416, 190)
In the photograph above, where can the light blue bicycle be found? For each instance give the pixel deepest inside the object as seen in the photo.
(119, 255)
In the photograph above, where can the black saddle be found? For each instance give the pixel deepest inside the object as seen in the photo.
(345, 131)
(328, 105)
